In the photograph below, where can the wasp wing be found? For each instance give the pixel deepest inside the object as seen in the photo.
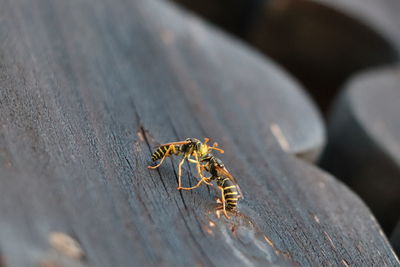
(175, 143)
(223, 172)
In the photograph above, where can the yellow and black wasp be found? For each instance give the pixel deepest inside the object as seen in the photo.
(191, 147)
(230, 190)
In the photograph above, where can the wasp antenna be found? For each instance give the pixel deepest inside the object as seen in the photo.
(215, 147)
(218, 149)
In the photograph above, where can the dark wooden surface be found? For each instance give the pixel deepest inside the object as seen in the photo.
(381, 16)
(364, 141)
(324, 42)
(88, 88)
(320, 42)
(235, 16)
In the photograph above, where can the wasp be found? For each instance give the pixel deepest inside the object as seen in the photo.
(230, 190)
(190, 147)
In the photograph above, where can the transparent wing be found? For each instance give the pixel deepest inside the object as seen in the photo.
(223, 172)
(175, 143)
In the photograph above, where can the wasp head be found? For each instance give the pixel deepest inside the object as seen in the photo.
(202, 149)
(192, 144)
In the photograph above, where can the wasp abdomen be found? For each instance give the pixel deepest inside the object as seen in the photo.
(231, 193)
(160, 152)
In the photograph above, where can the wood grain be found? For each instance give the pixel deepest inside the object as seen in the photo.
(88, 88)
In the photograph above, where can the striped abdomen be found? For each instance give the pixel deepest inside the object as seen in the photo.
(160, 152)
(230, 192)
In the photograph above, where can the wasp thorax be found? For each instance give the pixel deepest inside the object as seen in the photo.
(203, 149)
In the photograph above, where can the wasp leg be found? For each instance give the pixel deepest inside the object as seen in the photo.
(198, 165)
(192, 161)
(207, 181)
(204, 179)
(223, 203)
(200, 169)
(180, 173)
(171, 147)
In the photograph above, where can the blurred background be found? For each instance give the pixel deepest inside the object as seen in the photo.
(345, 54)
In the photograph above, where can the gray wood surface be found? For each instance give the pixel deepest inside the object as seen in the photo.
(395, 238)
(88, 88)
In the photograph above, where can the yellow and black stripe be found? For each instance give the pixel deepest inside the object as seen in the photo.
(230, 191)
(160, 152)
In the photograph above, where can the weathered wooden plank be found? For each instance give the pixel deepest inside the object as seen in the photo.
(88, 88)
(364, 141)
